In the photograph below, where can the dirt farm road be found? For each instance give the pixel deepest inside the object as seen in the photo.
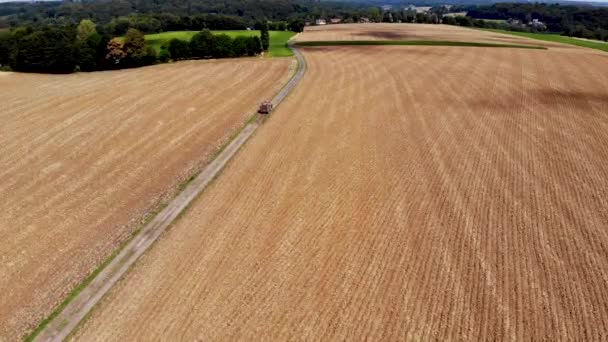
(64, 323)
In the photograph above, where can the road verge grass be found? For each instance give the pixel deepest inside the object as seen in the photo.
(147, 218)
(413, 43)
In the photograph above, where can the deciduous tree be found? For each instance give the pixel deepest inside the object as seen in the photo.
(201, 44)
(116, 52)
(88, 53)
(50, 50)
(85, 29)
(222, 46)
(7, 43)
(264, 35)
(135, 44)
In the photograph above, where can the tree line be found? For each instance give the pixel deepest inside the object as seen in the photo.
(204, 44)
(155, 23)
(575, 21)
(65, 49)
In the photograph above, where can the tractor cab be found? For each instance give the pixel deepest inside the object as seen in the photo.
(265, 107)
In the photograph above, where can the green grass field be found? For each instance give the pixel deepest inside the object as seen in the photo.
(498, 21)
(278, 39)
(414, 42)
(550, 37)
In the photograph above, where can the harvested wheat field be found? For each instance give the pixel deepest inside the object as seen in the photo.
(83, 157)
(400, 193)
(386, 31)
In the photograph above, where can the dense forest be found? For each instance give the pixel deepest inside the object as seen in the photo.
(89, 47)
(575, 21)
(104, 11)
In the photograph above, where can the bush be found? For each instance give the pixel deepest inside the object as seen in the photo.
(164, 56)
(254, 46)
(179, 49)
(222, 46)
(239, 46)
(150, 57)
(201, 44)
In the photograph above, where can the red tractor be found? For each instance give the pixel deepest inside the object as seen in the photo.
(265, 107)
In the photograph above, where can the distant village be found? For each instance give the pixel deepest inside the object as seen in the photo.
(364, 20)
(440, 12)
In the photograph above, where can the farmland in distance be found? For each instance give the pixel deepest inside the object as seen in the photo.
(385, 31)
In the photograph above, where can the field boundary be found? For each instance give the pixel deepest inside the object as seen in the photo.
(62, 322)
(553, 38)
(414, 43)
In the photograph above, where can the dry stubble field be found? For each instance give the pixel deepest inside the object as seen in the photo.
(413, 193)
(83, 157)
(385, 31)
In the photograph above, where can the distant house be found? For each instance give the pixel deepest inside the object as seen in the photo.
(423, 9)
(307, 23)
(320, 22)
(536, 22)
(364, 20)
(335, 20)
